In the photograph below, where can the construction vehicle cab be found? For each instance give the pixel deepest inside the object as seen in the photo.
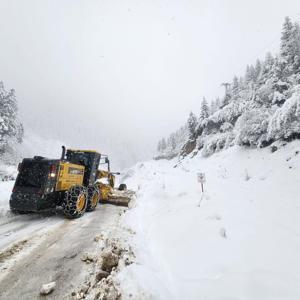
(69, 182)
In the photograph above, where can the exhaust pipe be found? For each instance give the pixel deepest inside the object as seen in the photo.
(63, 154)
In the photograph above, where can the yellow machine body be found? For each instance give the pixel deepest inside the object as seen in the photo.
(105, 189)
(69, 175)
(106, 174)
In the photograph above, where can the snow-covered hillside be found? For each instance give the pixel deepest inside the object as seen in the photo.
(259, 108)
(242, 242)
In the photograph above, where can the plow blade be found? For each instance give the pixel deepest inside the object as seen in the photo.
(120, 198)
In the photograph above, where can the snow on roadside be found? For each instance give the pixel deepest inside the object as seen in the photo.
(5, 191)
(242, 242)
(7, 173)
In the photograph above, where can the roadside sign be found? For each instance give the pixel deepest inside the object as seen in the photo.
(201, 177)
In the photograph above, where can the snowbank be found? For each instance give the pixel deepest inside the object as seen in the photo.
(7, 173)
(243, 241)
(5, 191)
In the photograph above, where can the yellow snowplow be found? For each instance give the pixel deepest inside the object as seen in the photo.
(72, 182)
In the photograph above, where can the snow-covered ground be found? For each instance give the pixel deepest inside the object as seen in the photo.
(242, 242)
(5, 191)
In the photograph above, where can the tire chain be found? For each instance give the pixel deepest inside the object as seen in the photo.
(90, 191)
(71, 197)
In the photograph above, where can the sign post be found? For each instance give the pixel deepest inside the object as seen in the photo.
(201, 179)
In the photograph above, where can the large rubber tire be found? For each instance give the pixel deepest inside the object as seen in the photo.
(75, 202)
(93, 198)
(122, 187)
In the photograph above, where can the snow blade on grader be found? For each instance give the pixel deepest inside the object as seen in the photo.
(121, 198)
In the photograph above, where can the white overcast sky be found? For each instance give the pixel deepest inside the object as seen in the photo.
(121, 74)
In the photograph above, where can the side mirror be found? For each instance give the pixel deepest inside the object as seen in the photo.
(106, 160)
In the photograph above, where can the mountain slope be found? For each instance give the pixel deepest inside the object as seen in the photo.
(259, 108)
(242, 242)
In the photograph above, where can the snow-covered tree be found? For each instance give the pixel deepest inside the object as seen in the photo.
(235, 86)
(251, 128)
(192, 124)
(267, 68)
(285, 123)
(257, 69)
(296, 46)
(158, 146)
(214, 106)
(172, 141)
(218, 103)
(250, 75)
(10, 128)
(204, 110)
(163, 144)
(286, 46)
(290, 47)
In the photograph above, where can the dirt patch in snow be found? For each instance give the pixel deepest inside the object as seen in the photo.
(15, 248)
(114, 254)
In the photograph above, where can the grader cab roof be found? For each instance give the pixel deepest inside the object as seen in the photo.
(78, 150)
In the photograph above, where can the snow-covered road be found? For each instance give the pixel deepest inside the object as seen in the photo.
(45, 248)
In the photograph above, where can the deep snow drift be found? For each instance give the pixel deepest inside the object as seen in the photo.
(243, 242)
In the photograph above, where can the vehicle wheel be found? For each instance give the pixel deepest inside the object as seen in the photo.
(75, 202)
(93, 198)
(122, 187)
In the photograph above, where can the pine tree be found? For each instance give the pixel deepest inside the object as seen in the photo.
(173, 141)
(235, 86)
(163, 144)
(235, 83)
(241, 82)
(296, 42)
(290, 47)
(192, 124)
(250, 74)
(286, 46)
(204, 112)
(212, 108)
(10, 128)
(159, 146)
(217, 103)
(267, 67)
(257, 70)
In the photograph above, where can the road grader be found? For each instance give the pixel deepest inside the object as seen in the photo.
(72, 182)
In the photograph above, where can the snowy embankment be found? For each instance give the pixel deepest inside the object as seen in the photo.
(243, 242)
(5, 191)
(6, 172)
